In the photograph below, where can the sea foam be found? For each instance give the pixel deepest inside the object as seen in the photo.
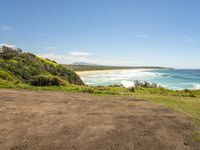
(197, 86)
(172, 79)
(127, 84)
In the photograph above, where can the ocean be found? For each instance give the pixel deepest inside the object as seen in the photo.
(176, 79)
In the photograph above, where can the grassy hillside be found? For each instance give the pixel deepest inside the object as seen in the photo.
(17, 66)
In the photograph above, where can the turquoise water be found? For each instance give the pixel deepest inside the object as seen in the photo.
(173, 79)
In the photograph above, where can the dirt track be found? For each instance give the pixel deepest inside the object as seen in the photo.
(61, 121)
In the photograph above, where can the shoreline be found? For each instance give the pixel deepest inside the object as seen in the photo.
(92, 77)
(113, 70)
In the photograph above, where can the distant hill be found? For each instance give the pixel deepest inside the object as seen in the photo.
(98, 67)
(84, 64)
(18, 66)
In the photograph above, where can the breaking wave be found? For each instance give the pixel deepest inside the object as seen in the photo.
(172, 79)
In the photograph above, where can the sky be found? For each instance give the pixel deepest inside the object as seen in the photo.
(107, 32)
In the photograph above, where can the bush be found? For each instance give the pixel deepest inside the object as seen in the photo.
(8, 53)
(5, 75)
(46, 81)
(145, 84)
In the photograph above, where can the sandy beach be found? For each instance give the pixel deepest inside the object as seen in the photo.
(112, 70)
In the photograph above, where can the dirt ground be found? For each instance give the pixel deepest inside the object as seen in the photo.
(33, 120)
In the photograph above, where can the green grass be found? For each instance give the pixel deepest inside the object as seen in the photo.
(5, 75)
(190, 106)
(186, 101)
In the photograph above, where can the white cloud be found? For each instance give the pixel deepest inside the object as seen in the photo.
(68, 59)
(142, 36)
(8, 45)
(182, 38)
(64, 59)
(186, 38)
(5, 28)
(79, 54)
(56, 57)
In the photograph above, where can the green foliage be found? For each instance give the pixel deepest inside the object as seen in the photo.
(24, 66)
(6, 84)
(42, 80)
(8, 53)
(144, 84)
(166, 92)
(5, 75)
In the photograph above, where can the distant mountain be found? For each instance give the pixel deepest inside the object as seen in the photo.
(84, 64)
(91, 67)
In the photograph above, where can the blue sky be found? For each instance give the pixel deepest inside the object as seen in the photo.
(108, 32)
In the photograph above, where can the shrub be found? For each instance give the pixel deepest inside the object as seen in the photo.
(87, 90)
(8, 53)
(46, 81)
(5, 75)
(145, 84)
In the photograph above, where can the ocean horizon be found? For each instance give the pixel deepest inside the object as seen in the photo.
(176, 79)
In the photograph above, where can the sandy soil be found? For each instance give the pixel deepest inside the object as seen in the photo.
(67, 121)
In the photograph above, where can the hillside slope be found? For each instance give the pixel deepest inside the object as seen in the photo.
(25, 67)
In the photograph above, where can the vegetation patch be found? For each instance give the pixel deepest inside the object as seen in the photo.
(5, 75)
(27, 66)
(42, 80)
